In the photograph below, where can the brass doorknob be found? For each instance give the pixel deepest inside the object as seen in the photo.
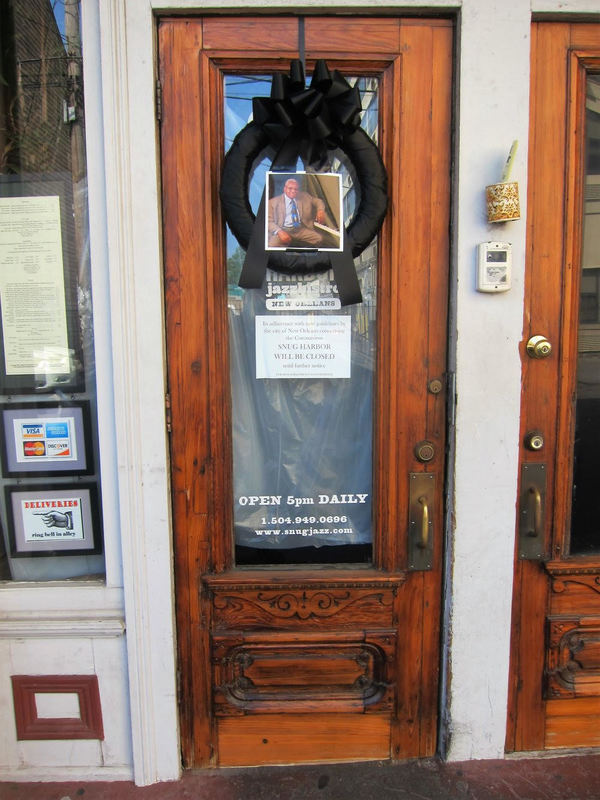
(538, 347)
(534, 440)
(424, 451)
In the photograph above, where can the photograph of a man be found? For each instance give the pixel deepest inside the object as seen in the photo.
(304, 212)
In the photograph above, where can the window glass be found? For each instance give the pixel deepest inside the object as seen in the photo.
(585, 522)
(51, 517)
(302, 445)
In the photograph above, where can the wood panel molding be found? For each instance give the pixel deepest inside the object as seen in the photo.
(278, 739)
(571, 580)
(573, 657)
(573, 566)
(296, 674)
(294, 606)
(300, 579)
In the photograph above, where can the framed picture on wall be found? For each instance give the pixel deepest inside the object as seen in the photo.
(49, 438)
(53, 520)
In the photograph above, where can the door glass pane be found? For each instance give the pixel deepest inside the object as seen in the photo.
(302, 445)
(585, 523)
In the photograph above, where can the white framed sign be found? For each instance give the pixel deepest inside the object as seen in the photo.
(53, 520)
(46, 438)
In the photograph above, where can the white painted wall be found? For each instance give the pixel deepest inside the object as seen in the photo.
(492, 110)
(64, 629)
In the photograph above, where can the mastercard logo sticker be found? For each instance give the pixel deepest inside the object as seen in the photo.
(34, 448)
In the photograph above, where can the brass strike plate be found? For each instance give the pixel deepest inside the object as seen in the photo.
(532, 512)
(420, 520)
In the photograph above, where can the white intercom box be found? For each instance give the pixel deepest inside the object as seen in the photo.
(494, 266)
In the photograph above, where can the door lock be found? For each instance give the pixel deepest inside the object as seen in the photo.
(538, 347)
(424, 451)
(534, 440)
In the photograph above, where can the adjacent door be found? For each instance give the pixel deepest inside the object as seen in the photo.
(307, 491)
(555, 686)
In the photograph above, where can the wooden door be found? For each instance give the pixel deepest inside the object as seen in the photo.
(555, 684)
(307, 653)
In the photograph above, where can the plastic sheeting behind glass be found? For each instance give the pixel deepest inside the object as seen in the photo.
(302, 445)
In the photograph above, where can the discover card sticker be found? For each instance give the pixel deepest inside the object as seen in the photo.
(303, 346)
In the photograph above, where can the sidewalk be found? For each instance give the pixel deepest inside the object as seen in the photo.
(544, 778)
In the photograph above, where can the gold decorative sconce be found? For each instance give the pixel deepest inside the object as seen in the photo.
(502, 199)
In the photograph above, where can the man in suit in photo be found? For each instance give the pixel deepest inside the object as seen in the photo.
(292, 216)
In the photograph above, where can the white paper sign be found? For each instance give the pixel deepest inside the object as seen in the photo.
(303, 346)
(52, 519)
(34, 318)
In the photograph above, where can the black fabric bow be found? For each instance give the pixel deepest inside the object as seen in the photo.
(313, 120)
(306, 123)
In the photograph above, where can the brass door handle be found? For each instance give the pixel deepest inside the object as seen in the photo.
(532, 544)
(421, 514)
(423, 542)
(537, 512)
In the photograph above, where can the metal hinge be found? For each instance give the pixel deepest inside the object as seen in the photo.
(178, 680)
(168, 416)
(158, 90)
(451, 378)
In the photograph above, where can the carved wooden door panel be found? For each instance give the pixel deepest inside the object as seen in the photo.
(555, 684)
(308, 512)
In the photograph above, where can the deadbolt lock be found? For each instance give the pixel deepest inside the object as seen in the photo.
(538, 347)
(424, 451)
(534, 440)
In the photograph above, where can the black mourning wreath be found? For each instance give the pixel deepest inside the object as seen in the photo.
(306, 123)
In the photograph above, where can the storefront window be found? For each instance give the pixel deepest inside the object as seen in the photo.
(51, 517)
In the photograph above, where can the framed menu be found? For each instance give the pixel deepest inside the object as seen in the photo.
(39, 345)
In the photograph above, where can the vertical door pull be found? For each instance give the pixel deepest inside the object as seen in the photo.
(424, 541)
(537, 512)
(531, 512)
(420, 520)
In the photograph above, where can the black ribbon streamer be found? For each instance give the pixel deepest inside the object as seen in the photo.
(299, 122)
